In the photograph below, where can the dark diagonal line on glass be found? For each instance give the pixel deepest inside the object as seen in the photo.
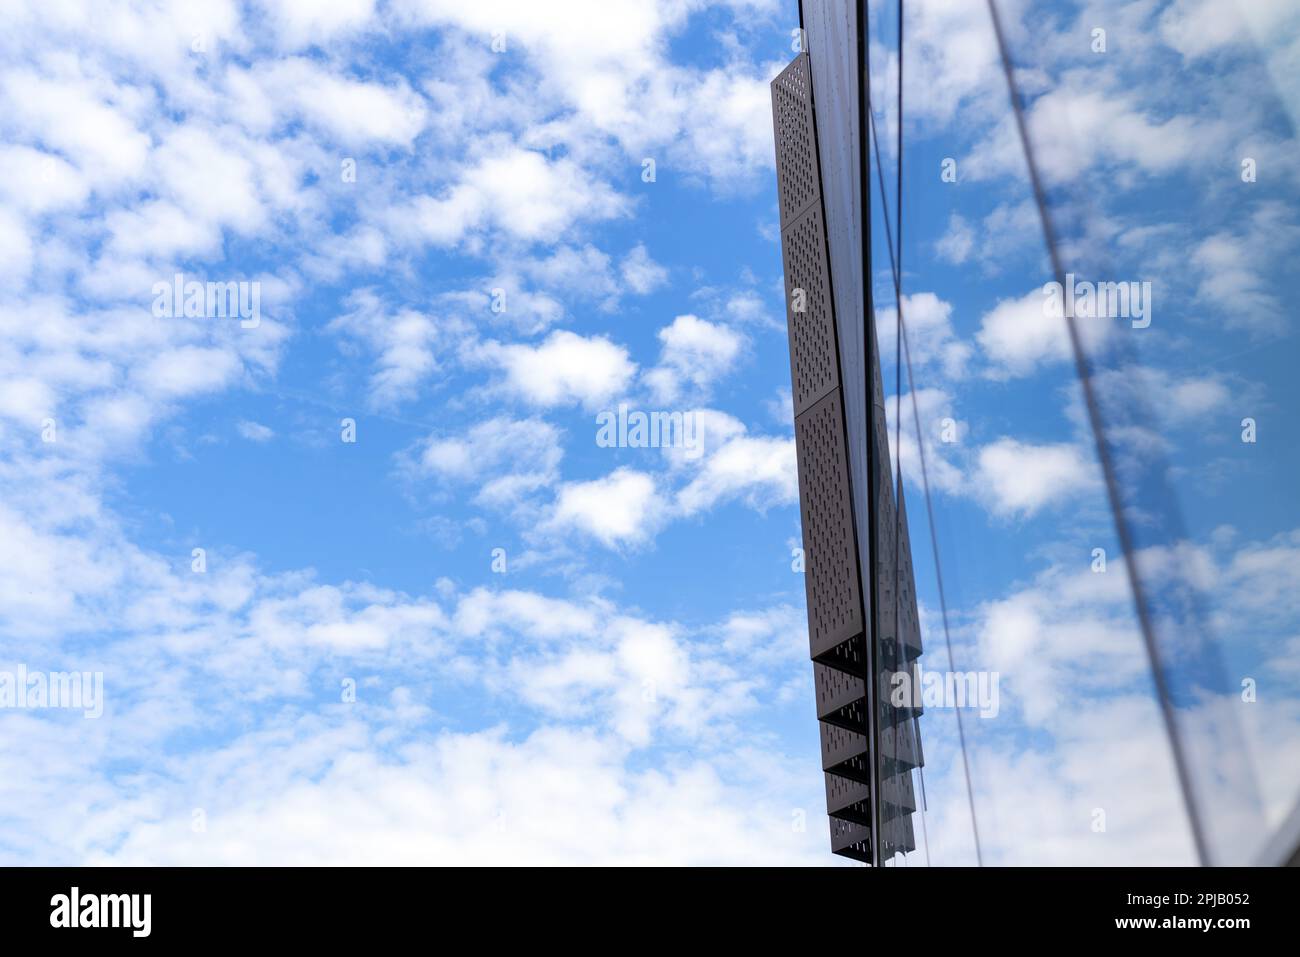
(1083, 369)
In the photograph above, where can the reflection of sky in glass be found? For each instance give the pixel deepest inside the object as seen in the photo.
(1142, 136)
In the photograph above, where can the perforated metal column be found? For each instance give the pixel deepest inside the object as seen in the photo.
(836, 632)
(840, 642)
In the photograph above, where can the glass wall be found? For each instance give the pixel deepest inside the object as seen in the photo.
(1092, 420)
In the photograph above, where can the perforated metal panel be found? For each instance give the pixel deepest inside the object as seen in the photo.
(814, 363)
(830, 541)
(840, 697)
(897, 835)
(899, 747)
(848, 799)
(893, 684)
(893, 564)
(909, 626)
(897, 796)
(851, 840)
(799, 184)
(845, 753)
(850, 656)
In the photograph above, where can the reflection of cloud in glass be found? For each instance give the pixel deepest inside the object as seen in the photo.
(1141, 150)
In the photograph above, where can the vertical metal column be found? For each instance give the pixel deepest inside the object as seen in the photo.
(836, 629)
(855, 597)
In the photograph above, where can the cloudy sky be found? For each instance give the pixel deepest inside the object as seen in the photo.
(362, 583)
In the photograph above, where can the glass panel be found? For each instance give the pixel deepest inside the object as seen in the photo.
(1165, 141)
(1068, 756)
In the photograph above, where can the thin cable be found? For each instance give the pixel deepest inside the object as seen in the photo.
(864, 189)
(1083, 370)
(898, 423)
(898, 365)
(925, 478)
(925, 806)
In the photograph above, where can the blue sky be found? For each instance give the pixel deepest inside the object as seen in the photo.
(634, 687)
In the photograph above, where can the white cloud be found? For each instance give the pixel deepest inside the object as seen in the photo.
(953, 70)
(509, 458)
(759, 470)
(303, 22)
(1174, 399)
(565, 368)
(15, 248)
(352, 112)
(484, 613)
(200, 172)
(38, 182)
(933, 407)
(405, 343)
(554, 797)
(1018, 479)
(606, 63)
(930, 337)
(727, 124)
(188, 370)
(955, 245)
(623, 508)
(1231, 267)
(1086, 121)
(583, 273)
(255, 431)
(518, 191)
(89, 122)
(641, 273)
(1196, 28)
(695, 353)
(747, 306)
(1018, 335)
(772, 634)
(26, 399)
(997, 242)
(637, 672)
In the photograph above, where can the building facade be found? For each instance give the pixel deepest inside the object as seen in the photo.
(862, 614)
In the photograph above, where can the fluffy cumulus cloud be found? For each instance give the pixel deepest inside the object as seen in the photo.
(430, 245)
(695, 353)
(623, 507)
(931, 340)
(564, 368)
(300, 23)
(606, 63)
(1020, 335)
(581, 805)
(509, 457)
(942, 432)
(404, 345)
(602, 683)
(641, 273)
(1020, 479)
(756, 469)
(519, 192)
